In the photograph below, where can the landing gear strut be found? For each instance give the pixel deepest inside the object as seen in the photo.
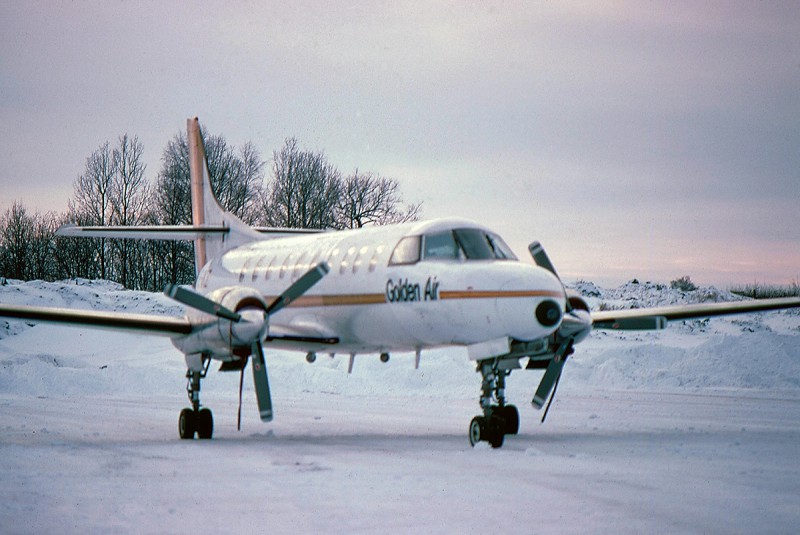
(196, 420)
(498, 418)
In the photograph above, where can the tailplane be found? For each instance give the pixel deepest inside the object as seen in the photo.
(214, 230)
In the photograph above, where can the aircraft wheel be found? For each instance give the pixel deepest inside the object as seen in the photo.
(187, 424)
(476, 430)
(205, 423)
(510, 416)
(495, 434)
(488, 429)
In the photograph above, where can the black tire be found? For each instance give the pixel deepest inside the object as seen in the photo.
(205, 423)
(187, 424)
(510, 417)
(494, 433)
(477, 430)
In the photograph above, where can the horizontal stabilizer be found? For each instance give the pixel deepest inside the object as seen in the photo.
(169, 232)
(110, 320)
(145, 232)
(278, 232)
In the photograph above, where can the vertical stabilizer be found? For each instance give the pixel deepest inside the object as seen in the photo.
(206, 210)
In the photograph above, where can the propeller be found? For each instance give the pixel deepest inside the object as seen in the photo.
(200, 302)
(209, 306)
(552, 375)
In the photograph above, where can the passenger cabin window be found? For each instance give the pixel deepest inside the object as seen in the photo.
(406, 251)
(374, 260)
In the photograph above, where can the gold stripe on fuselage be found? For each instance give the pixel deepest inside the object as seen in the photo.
(496, 294)
(305, 301)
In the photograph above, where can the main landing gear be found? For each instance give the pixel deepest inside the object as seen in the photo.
(498, 419)
(196, 420)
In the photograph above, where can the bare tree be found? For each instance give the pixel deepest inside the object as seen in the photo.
(16, 229)
(92, 196)
(41, 262)
(171, 204)
(304, 191)
(236, 178)
(128, 198)
(74, 257)
(367, 198)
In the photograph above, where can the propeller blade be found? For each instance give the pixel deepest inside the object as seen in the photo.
(552, 396)
(549, 379)
(199, 302)
(540, 257)
(300, 286)
(261, 381)
(551, 374)
(542, 260)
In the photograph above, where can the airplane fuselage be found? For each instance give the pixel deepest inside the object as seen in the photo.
(372, 303)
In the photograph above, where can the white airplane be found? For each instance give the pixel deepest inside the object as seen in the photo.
(407, 287)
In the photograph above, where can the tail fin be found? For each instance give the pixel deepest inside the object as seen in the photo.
(206, 210)
(213, 229)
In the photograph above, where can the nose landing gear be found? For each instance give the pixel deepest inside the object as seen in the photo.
(196, 420)
(498, 419)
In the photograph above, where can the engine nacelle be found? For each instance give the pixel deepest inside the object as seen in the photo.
(577, 324)
(220, 337)
(576, 301)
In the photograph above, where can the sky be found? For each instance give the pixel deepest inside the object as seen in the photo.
(643, 140)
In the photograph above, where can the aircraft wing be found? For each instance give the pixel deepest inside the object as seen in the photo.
(163, 325)
(657, 317)
(303, 334)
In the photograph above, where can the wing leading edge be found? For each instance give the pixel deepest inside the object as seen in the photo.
(640, 318)
(166, 326)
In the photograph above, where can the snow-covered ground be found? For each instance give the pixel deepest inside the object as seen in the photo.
(695, 429)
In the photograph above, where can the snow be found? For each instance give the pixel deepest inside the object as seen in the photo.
(695, 429)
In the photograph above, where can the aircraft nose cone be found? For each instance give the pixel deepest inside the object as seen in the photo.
(532, 303)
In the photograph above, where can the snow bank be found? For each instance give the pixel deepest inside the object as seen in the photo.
(753, 351)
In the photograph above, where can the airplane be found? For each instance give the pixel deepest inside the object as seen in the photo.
(382, 289)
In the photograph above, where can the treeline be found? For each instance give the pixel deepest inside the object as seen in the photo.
(301, 190)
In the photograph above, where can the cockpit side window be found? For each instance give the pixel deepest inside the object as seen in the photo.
(440, 245)
(501, 249)
(474, 244)
(406, 252)
(478, 245)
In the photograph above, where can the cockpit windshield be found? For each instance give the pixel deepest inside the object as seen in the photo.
(440, 245)
(457, 244)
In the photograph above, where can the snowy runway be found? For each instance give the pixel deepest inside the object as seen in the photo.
(609, 461)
